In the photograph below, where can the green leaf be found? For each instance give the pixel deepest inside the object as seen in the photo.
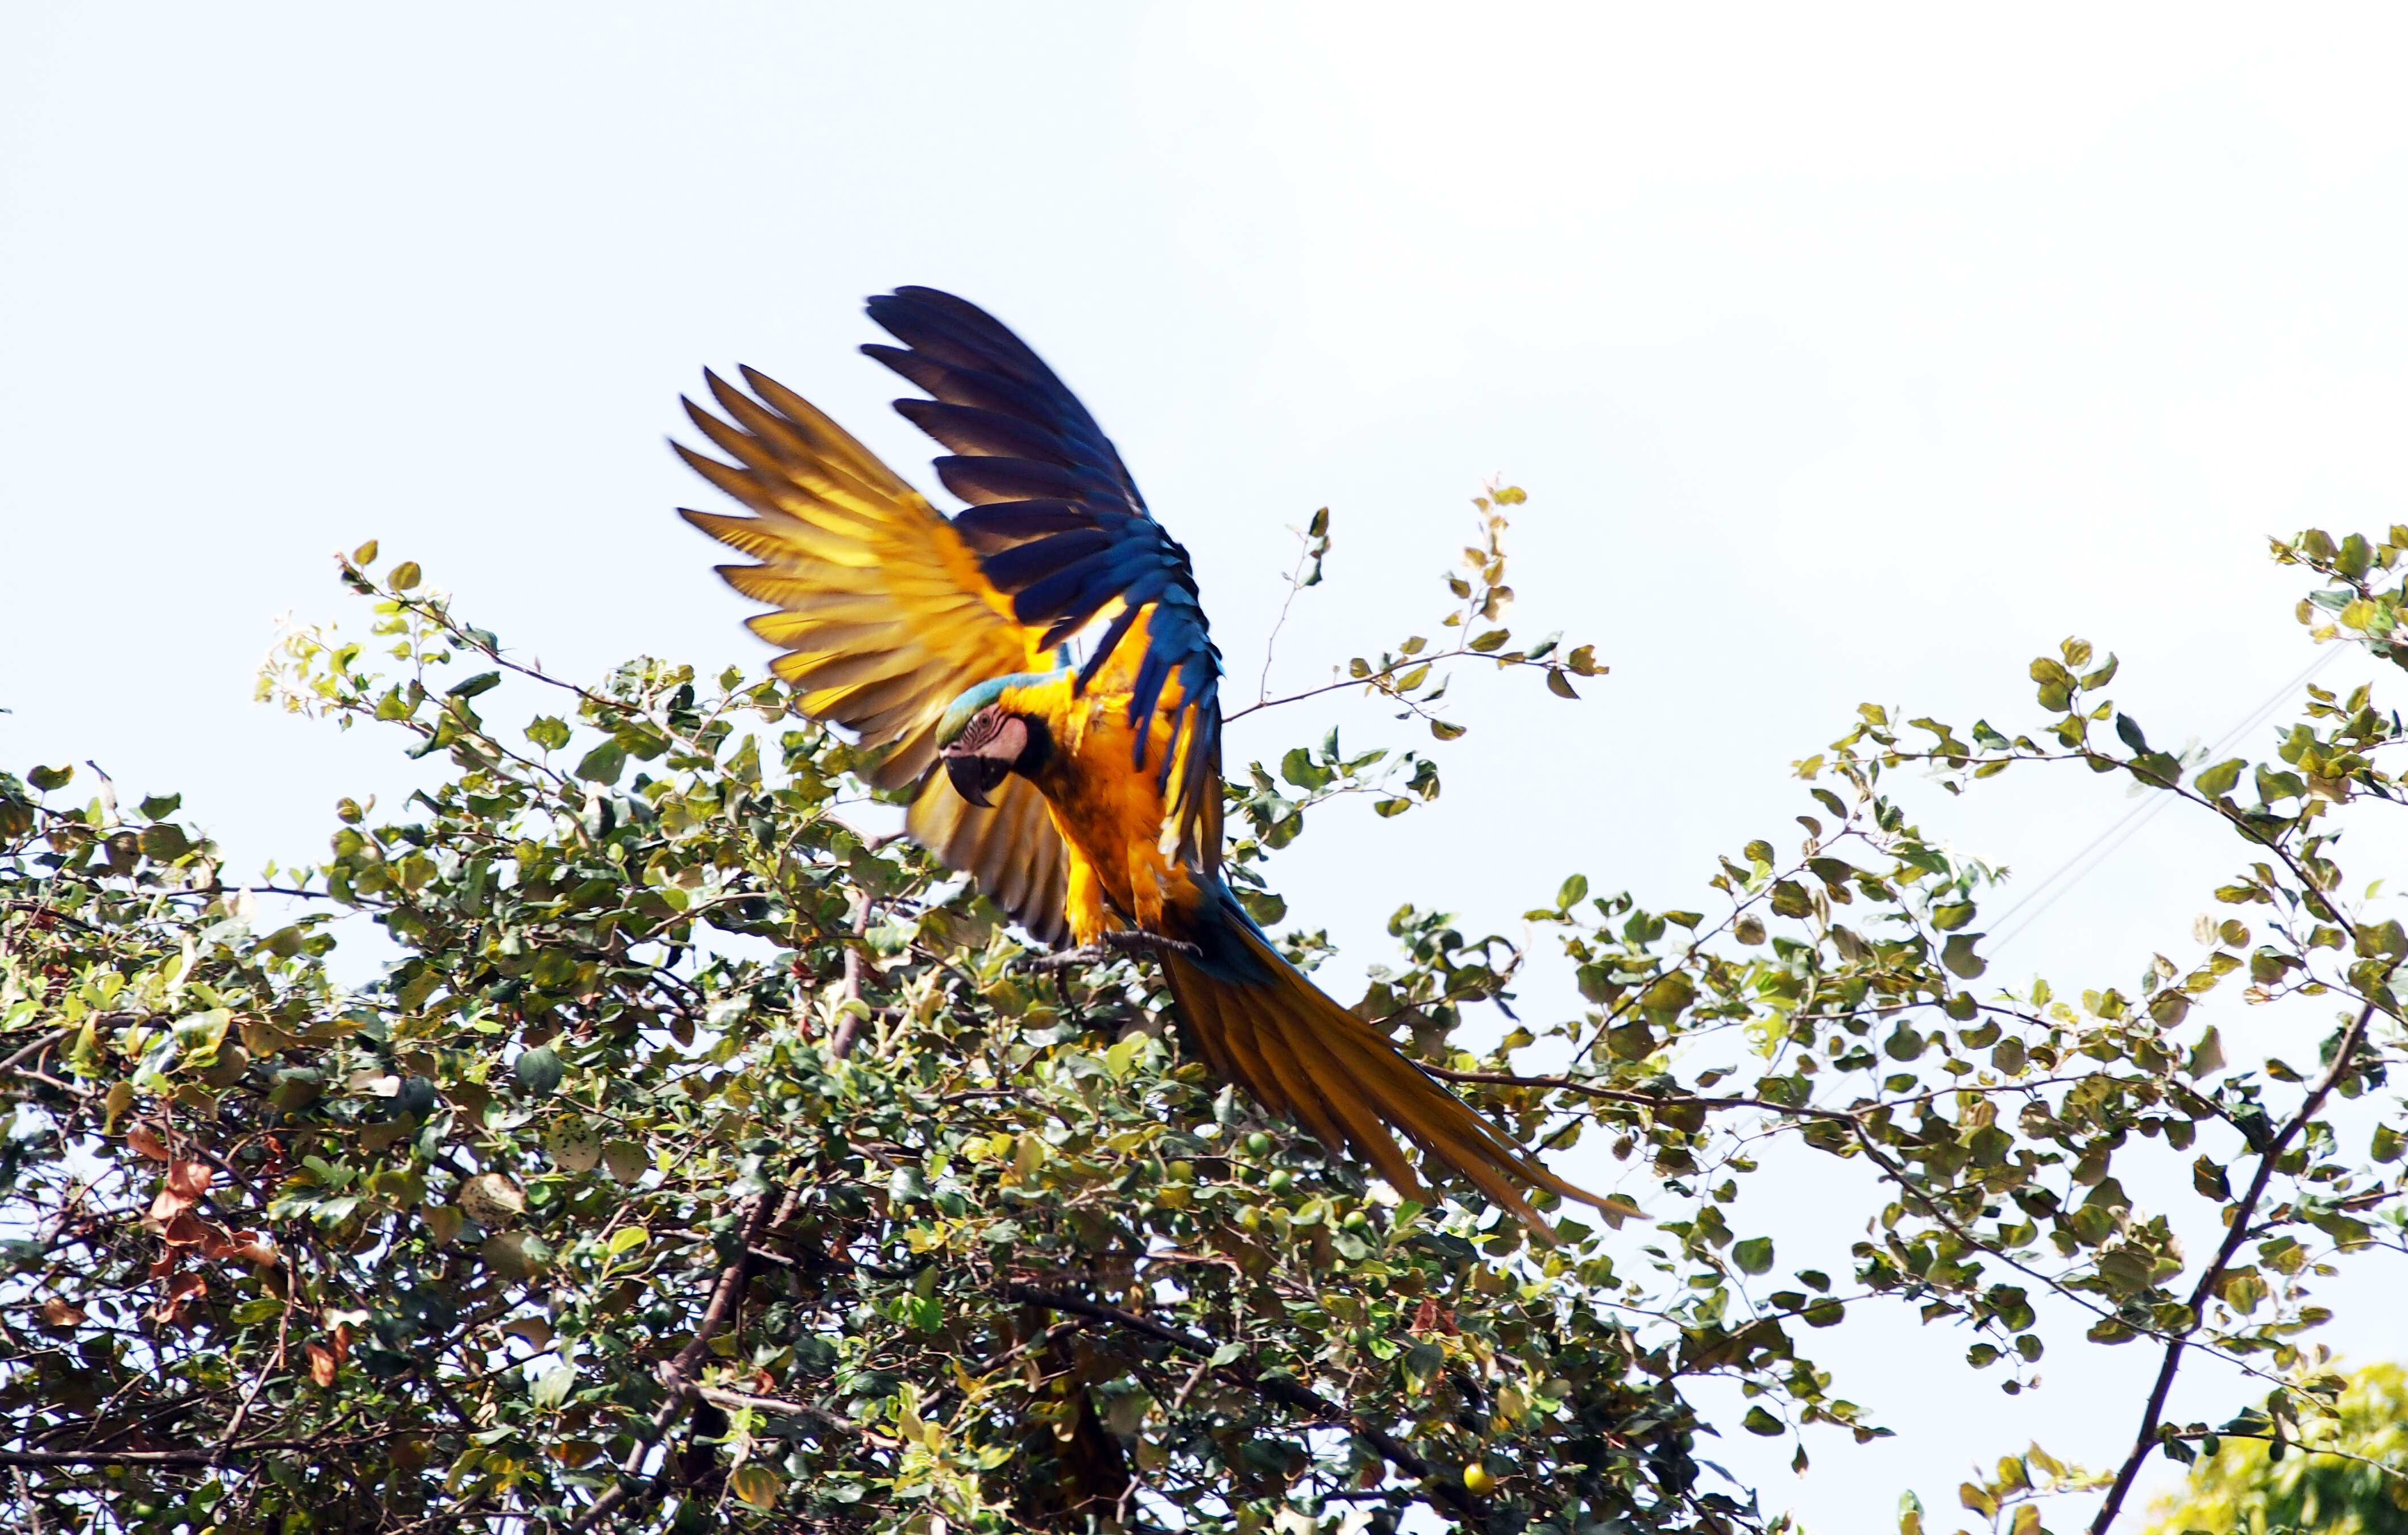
(1265, 908)
(537, 1070)
(1959, 958)
(468, 687)
(1758, 1421)
(1300, 768)
(604, 764)
(47, 779)
(552, 1388)
(2217, 782)
(165, 842)
(1573, 892)
(404, 576)
(1493, 639)
(1754, 1255)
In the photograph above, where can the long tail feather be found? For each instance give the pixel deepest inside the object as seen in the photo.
(1299, 1054)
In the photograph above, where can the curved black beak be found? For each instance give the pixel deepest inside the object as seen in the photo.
(975, 776)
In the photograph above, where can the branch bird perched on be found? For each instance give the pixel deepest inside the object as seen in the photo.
(1084, 798)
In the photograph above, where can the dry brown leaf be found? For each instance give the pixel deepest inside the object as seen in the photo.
(59, 1312)
(1431, 1317)
(143, 1138)
(165, 1208)
(186, 1230)
(180, 1289)
(321, 1364)
(189, 1181)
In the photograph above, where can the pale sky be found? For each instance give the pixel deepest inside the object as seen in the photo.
(1859, 353)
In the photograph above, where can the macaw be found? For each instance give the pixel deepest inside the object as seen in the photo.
(1084, 797)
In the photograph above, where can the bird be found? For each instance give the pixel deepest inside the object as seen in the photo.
(1083, 796)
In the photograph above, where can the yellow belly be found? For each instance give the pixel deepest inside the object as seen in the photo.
(1111, 813)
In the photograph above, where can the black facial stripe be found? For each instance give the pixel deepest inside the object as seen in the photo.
(1040, 750)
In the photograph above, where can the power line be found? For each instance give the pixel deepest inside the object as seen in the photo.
(2075, 870)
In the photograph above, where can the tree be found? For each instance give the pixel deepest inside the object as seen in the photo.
(704, 1160)
(2348, 1475)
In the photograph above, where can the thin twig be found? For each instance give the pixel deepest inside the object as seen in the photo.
(1270, 645)
(284, 1336)
(1369, 679)
(210, 1457)
(718, 1397)
(44, 908)
(34, 1051)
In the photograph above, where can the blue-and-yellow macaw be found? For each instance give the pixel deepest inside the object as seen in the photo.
(1084, 798)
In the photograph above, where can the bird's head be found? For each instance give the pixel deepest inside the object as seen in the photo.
(985, 744)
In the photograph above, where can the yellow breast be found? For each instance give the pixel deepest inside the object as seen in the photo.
(1109, 808)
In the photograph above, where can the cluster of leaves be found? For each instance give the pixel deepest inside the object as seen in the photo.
(2332, 1461)
(2010, 1497)
(701, 1160)
(1406, 675)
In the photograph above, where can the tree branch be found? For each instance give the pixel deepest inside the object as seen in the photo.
(2344, 1059)
(677, 1373)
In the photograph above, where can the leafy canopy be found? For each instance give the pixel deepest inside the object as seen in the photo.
(703, 1160)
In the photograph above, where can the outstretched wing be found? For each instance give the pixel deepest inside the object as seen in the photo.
(884, 617)
(1061, 529)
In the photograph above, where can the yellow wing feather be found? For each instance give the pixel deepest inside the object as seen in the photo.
(885, 616)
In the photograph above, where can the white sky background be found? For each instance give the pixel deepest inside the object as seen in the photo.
(1858, 357)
